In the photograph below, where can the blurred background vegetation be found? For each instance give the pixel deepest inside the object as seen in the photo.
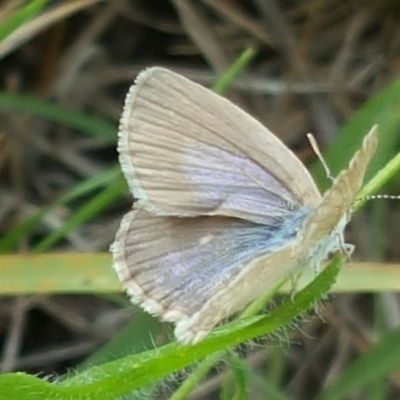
(330, 67)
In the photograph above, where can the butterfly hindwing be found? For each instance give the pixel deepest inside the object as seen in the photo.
(173, 266)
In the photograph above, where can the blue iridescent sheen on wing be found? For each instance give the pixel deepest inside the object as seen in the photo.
(181, 262)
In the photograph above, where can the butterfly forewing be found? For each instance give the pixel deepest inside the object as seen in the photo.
(186, 151)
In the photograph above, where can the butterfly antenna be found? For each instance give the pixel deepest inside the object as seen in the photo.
(317, 151)
(378, 197)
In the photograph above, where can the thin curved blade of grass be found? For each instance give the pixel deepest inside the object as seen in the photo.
(89, 124)
(238, 66)
(235, 385)
(32, 27)
(195, 377)
(21, 16)
(11, 238)
(132, 372)
(381, 360)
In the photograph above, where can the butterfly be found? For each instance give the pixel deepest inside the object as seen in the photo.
(224, 210)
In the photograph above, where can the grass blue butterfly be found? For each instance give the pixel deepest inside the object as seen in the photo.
(224, 210)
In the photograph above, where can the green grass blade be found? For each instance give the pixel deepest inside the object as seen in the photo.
(89, 124)
(21, 16)
(238, 66)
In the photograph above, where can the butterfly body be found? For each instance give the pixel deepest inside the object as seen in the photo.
(224, 209)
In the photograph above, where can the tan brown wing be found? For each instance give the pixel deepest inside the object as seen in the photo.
(186, 151)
